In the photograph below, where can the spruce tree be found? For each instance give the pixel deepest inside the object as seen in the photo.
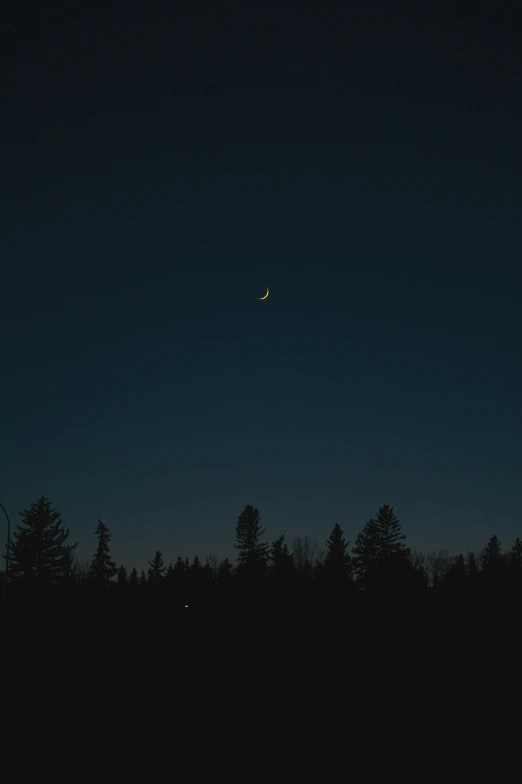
(366, 552)
(394, 556)
(515, 564)
(495, 572)
(281, 562)
(39, 554)
(379, 552)
(471, 566)
(337, 563)
(156, 568)
(515, 554)
(103, 567)
(134, 579)
(252, 555)
(491, 557)
(389, 534)
(123, 579)
(225, 571)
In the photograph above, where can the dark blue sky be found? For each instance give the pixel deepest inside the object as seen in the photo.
(159, 173)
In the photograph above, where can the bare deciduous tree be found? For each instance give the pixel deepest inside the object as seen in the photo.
(304, 550)
(438, 563)
(81, 569)
(417, 559)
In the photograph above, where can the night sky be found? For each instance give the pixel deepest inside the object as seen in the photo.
(159, 171)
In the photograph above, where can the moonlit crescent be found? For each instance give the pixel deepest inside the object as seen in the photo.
(266, 295)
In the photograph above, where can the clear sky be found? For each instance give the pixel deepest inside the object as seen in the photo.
(160, 172)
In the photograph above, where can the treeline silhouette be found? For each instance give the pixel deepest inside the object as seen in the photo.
(374, 598)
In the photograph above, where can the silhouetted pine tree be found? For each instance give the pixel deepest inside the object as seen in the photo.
(366, 553)
(156, 568)
(252, 556)
(515, 564)
(337, 562)
(281, 562)
(472, 569)
(39, 553)
(196, 565)
(389, 534)
(134, 579)
(515, 554)
(103, 567)
(143, 579)
(491, 555)
(380, 557)
(394, 556)
(122, 577)
(494, 571)
(492, 560)
(225, 571)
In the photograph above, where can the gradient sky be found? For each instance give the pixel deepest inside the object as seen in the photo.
(160, 171)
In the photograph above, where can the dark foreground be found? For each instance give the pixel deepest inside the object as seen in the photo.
(270, 629)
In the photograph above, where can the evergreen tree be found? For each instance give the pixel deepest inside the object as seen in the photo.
(170, 574)
(252, 556)
(337, 563)
(366, 552)
(495, 566)
(39, 554)
(143, 579)
(515, 554)
(156, 568)
(103, 567)
(471, 566)
(394, 557)
(180, 565)
(122, 576)
(515, 564)
(281, 562)
(389, 533)
(134, 579)
(491, 556)
(196, 565)
(380, 557)
(225, 571)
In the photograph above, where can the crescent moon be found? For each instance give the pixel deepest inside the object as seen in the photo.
(266, 295)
